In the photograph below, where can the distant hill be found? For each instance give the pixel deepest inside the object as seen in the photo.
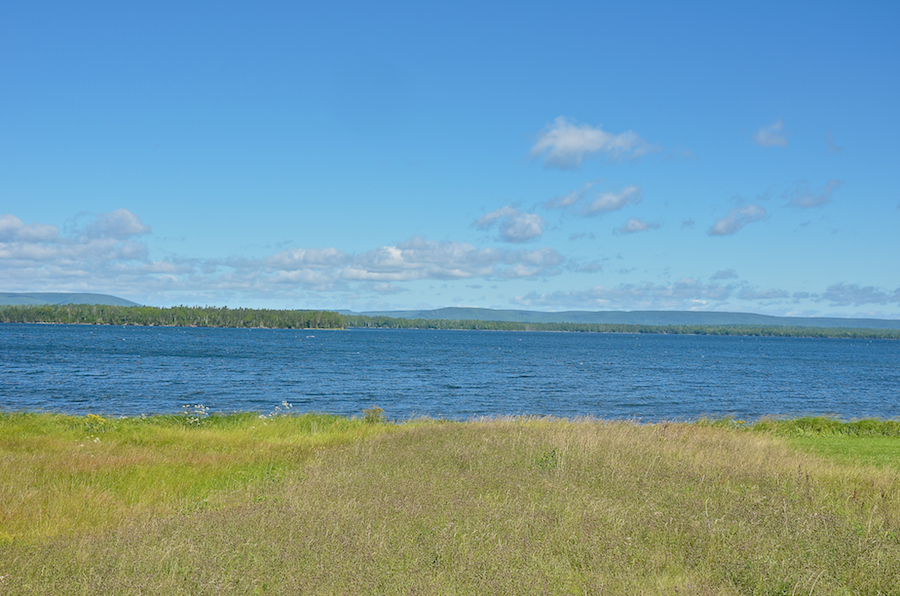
(39, 298)
(637, 317)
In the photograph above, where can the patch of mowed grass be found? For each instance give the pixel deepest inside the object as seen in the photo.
(69, 474)
(523, 506)
(866, 441)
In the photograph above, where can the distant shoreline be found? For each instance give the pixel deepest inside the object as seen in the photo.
(199, 317)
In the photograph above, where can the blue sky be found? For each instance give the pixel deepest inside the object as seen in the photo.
(369, 156)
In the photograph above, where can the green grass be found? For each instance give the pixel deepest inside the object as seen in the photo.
(63, 474)
(875, 442)
(326, 505)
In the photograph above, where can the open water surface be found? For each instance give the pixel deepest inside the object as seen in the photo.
(443, 374)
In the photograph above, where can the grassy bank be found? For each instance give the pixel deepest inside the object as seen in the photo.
(327, 505)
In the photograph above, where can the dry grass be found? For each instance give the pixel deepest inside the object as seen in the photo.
(523, 506)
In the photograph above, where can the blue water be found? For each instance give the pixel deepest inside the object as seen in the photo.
(443, 374)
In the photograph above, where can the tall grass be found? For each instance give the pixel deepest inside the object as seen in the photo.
(64, 474)
(523, 506)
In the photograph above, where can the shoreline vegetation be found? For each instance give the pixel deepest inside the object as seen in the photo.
(285, 503)
(184, 316)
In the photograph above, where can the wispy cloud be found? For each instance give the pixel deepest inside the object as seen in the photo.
(755, 295)
(736, 219)
(724, 274)
(603, 202)
(564, 144)
(571, 198)
(771, 136)
(852, 294)
(832, 146)
(685, 293)
(513, 225)
(634, 225)
(801, 195)
(613, 201)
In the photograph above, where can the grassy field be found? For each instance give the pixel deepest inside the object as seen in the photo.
(315, 504)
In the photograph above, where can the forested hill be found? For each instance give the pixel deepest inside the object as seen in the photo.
(184, 316)
(178, 316)
(655, 318)
(37, 298)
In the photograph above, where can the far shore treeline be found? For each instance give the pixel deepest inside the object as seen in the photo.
(207, 316)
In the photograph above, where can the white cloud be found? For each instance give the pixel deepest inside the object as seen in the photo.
(634, 225)
(801, 195)
(613, 201)
(564, 144)
(12, 229)
(103, 256)
(419, 258)
(514, 226)
(120, 223)
(771, 135)
(105, 239)
(736, 219)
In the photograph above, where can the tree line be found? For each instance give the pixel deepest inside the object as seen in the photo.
(176, 316)
(383, 322)
(208, 316)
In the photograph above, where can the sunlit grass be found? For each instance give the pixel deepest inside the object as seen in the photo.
(327, 505)
(65, 474)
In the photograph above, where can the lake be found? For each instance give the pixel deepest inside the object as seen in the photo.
(443, 374)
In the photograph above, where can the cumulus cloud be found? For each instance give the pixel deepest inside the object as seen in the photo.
(634, 225)
(120, 224)
(771, 135)
(419, 258)
(736, 219)
(514, 226)
(12, 229)
(801, 196)
(105, 255)
(564, 144)
(107, 237)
